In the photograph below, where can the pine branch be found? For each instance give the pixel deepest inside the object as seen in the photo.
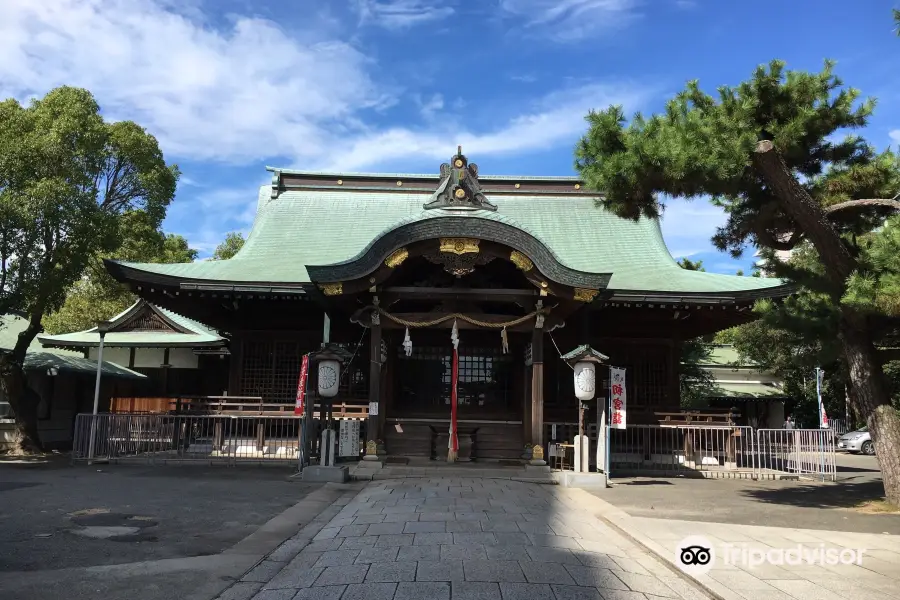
(805, 211)
(770, 241)
(865, 203)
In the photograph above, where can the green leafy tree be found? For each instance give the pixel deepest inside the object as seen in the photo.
(234, 241)
(96, 296)
(691, 265)
(66, 176)
(764, 151)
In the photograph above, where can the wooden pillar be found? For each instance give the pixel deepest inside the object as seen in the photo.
(526, 404)
(537, 385)
(374, 423)
(673, 402)
(235, 365)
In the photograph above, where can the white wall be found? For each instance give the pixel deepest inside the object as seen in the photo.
(179, 358)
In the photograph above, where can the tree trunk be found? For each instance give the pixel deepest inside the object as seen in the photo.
(872, 400)
(23, 404)
(866, 375)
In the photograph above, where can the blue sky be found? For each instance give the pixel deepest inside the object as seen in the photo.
(230, 86)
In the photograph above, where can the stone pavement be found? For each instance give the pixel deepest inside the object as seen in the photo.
(876, 577)
(460, 538)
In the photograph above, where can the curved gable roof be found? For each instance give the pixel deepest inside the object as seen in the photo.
(326, 226)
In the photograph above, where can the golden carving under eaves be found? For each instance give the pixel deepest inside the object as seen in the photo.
(332, 289)
(459, 245)
(396, 258)
(520, 260)
(585, 295)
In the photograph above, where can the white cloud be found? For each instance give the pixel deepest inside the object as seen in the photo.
(688, 227)
(204, 216)
(895, 135)
(249, 92)
(401, 14)
(570, 20)
(428, 107)
(241, 94)
(557, 119)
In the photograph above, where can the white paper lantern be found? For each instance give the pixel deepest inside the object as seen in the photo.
(329, 377)
(585, 380)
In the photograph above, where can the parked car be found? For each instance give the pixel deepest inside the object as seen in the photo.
(857, 441)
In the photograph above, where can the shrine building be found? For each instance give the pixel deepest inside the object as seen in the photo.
(528, 268)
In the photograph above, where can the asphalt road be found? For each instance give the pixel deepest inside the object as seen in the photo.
(800, 504)
(59, 523)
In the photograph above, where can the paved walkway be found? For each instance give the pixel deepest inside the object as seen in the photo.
(461, 538)
(876, 577)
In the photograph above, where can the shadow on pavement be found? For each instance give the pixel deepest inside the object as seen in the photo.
(838, 495)
(645, 482)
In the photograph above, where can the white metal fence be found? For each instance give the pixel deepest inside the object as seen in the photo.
(203, 438)
(637, 449)
(802, 451)
(684, 449)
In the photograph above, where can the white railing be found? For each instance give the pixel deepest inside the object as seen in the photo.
(203, 438)
(809, 452)
(684, 449)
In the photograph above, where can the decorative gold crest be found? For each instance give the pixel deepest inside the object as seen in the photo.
(332, 289)
(538, 452)
(577, 186)
(458, 163)
(396, 258)
(585, 295)
(520, 260)
(460, 193)
(399, 183)
(459, 245)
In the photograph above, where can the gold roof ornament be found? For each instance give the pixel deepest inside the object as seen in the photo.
(521, 261)
(332, 289)
(460, 193)
(396, 258)
(459, 245)
(585, 295)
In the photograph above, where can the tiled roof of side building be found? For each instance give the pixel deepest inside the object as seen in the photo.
(302, 227)
(184, 332)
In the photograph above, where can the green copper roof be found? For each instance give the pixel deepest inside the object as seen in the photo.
(40, 359)
(324, 226)
(185, 332)
(745, 390)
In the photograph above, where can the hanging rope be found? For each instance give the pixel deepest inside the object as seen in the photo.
(461, 317)
(557, 350)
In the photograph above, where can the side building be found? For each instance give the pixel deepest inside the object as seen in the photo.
(526, 267)
(178, 356)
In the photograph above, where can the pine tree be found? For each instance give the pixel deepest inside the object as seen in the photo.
(765, 152)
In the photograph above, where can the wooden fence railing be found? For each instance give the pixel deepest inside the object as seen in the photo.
(225, 405)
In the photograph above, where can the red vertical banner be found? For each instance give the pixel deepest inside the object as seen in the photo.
(454, 440)
(301, 385)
